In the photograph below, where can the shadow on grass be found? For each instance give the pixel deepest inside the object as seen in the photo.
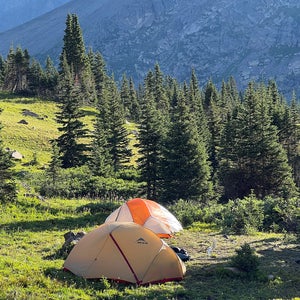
(277, 276)
(21, 98)
(94, 207)
(93, 286)
(91, 214)
(67, 223)
(8, 96)
(102, 207)
(79, 282)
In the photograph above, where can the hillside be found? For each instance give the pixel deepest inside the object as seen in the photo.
(28, 125)
(250, 40)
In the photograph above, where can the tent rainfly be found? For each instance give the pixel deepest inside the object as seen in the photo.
(149, 214)
(125, 252)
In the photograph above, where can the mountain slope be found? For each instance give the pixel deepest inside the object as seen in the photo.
(16, 12)
(249, 40)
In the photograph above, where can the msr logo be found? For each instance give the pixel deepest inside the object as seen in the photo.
(141, 241)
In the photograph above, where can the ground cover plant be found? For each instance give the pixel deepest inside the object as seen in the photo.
(31, 262)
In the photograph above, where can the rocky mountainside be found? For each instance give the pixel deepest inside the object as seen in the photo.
(17, 12)
(257, 39)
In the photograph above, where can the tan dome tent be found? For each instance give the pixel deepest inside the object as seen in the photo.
(149, 214)
(125, 251)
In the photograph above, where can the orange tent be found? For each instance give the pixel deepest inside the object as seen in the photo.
(149, 214)
(125, 251)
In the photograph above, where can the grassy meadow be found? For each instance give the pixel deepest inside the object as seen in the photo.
(31, 237)
(34, 137)
(31, 260)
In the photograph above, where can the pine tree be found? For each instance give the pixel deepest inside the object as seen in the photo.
(275, 104)
(100, 161)
(233, 91)
(117, 135)
(10, 72)
(88, 86)
(22, 60)
(35, 78)
(159, 91)
(54, 165)
(50, 79)
(290, 136)
(7, 184)
(73, 48)
(125, 96)
(99, 72)
(185, 166)
(135, 106)
(2, 71)
(71, 148)
(77, 56)
(196, 105)
(74, 53)
(251, 156)
(214, 118)
(149, 144)
(17, 69)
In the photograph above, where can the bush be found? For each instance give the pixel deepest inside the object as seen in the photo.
(79, 182)
(243, 216)
(187, 212)
(246, 260)
(282, 215)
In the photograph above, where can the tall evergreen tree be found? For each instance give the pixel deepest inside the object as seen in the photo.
(35, 78)
(22, 60)
(98, 68)
(117, 135)
(54, 165)
(185, 166)
(125, 96)
(159, 91)
(73, 48)
(71, 148)
(100, 161)
(149, 144)
(135, 106)
(256, 160)
(17, 69)
(75, 54)
(233, 91)
(10, 72)
(196, 105)
(2, 71)
(214, 118)
(290, 136)
(50, 79)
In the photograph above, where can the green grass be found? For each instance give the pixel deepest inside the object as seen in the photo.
(34, 137)
(31, 236)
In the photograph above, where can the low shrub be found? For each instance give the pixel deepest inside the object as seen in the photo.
(281, 215)
(242, 216)
(79, 183)
(246, 260)
(187, 212)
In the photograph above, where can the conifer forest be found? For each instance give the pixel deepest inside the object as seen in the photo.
(210, 146)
